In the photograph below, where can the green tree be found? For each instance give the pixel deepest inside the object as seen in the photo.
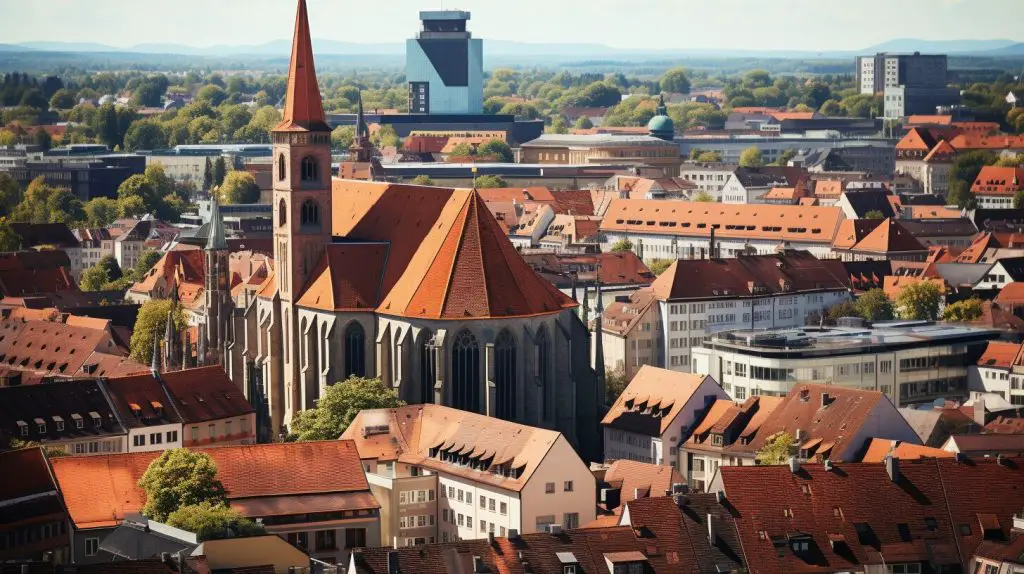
(208, 175)
(675, 81)
(105, 271)
(386, 136)
(874, 306)
(462, 150)
(42, 139)
(210, 521)
(46, 204)
(239, 187)
(965, 170)
(339, 404)
(704, 197)
(62, 99)
(776, 449)
(1018, 199)
(751, 157)
(51, 451)
(831, 108)
(785, 156)
(9, 240)
(874, 214)
(622, 245)
(709, 157)
(489, 182)
(7, 138)
(211, 94)
(422, 180)
(131, 206)
(496, 148)
(145, 135)
(10, 195)
(146, 262)
(177, 478)
(220, 171)
(583, 123)
(151, 319)
(659, 266)
(840, 310)
(106, 125)
(343, 137)
(919, 301)
(963, 311)
(615, 382)
(559, 125)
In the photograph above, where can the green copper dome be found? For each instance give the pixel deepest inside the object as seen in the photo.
(661, 125)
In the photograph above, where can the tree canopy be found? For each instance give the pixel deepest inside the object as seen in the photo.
(152, 319)
(963, 311)
(490, 182)
(622, 245)
(179, 478)
(776, 449)
(874, 305)
(339, 405)
(919, 301)
(97, 277)
(239, 187)
(213, 521)
(675, 81)
(422, 180)
(751, 157)
(43, 203)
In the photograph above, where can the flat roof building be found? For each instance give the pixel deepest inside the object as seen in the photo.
(444, 66)
(910, 361)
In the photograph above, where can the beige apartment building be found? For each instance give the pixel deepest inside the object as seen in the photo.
(603, 149)
(443, 475)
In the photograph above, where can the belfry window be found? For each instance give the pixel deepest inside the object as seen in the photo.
(310, 170)
(280, 167)
(282, 213)
(310, 214)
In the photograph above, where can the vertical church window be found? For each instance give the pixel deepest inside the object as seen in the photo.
(543, 365)
(280, 167)
(282, 213)
(355, 351)
(466, 373)
(310, 214)
(427, 368)
(505, 379)
(310, 170)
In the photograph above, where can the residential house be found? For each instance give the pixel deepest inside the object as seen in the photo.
(624, 481)
(632, 333)
(934, 425)
(313, 495)
(212, 408)
(441, 474)
(748, 185)
(708, 177)
(1003, 272)
(621, 273)
(986, 445)
(34, 524)
(997, 187)
(96, 243)
(868, 204)
(998, 557)
(48, 236)
(887, 240)
(878, 449)
(689, 230)
(77, 417)
(145, 235)
(1000, 371)
(929, 515)
(655, 414)
(147, 411)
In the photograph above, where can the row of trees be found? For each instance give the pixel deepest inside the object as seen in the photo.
(917, 301)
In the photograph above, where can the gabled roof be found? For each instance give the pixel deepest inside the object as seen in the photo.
(347, 278)
(141, 401)
(879, 448)
(852, 231)
(937, 510)
(100, 490)
(943, 152)
(37, 234)
(201, 394)
(1012, 295)
(467, 268)
(995, 180)
(827, 426)
(418, 434)
(918, 139)
(653, 400)
(303, 107)
(864, 201)
(999, 355)
(890, 237)
(748, 276)
(646, 479)
(54, 408)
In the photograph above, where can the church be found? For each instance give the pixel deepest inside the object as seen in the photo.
(416, 285)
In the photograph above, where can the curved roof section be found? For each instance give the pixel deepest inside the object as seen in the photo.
(466, 268)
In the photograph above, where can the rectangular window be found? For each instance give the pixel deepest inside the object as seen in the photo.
(461, 495)
(212, 429)
(462, 520)
(490, 505)
(227, 428)
(549, 488)
(483, 526)
(567, 487)
(195, 433)
(172, 436)
(483, 502)
(570, 520)
(355, 537)
(444, 515)
(139, 440)
(504, 508)
(92, 546)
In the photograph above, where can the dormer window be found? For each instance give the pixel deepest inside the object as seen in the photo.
(310, 169)
(717, 439)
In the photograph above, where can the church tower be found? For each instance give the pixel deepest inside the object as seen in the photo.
(218, 281)
(361, 150)
(302, 195)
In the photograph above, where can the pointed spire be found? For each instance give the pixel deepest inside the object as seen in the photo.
(174, 290)
(662, 109)
(217, 239)
(170, 336)
(361, 129)
(585, 307)
(303, 108)
(154, 365)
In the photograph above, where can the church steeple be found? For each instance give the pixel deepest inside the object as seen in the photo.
(361, 150)
(303, 107)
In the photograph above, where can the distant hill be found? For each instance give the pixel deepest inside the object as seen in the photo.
(1012, 50)
(911, 45)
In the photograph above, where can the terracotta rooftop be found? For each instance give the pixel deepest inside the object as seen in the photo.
(999, 355)
(853, 231)
(889, 237)
(1005, 425)
(347, 278)
(649, 480)
(653, 399)
(748, 276)
(199, 395)
(303, 107)
(879, 448)
(466, 268)
(100, 490)
(733, 421)
(1012, 295)
(142, 401)
(943, 152)
(744, 221)
(939, 120)
(826, 426)
(59, 349)
(995, 180)
(936, 510)
(519, 194)
(621, 317)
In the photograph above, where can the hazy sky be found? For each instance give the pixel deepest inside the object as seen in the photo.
(689, 24)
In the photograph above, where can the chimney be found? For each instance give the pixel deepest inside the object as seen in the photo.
(393, 567)
(794, 464)
(892, 468)
(979, 411)
(712, 539)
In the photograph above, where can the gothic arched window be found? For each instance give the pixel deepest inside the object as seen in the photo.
(505, 379)
(282, 213)
(310, 214)
(355, 351)
(310, 170)
(543, 363)
(466, 372)
(280, 168)
(428, 368)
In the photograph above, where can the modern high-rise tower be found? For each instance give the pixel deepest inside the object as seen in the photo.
(444, 66)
